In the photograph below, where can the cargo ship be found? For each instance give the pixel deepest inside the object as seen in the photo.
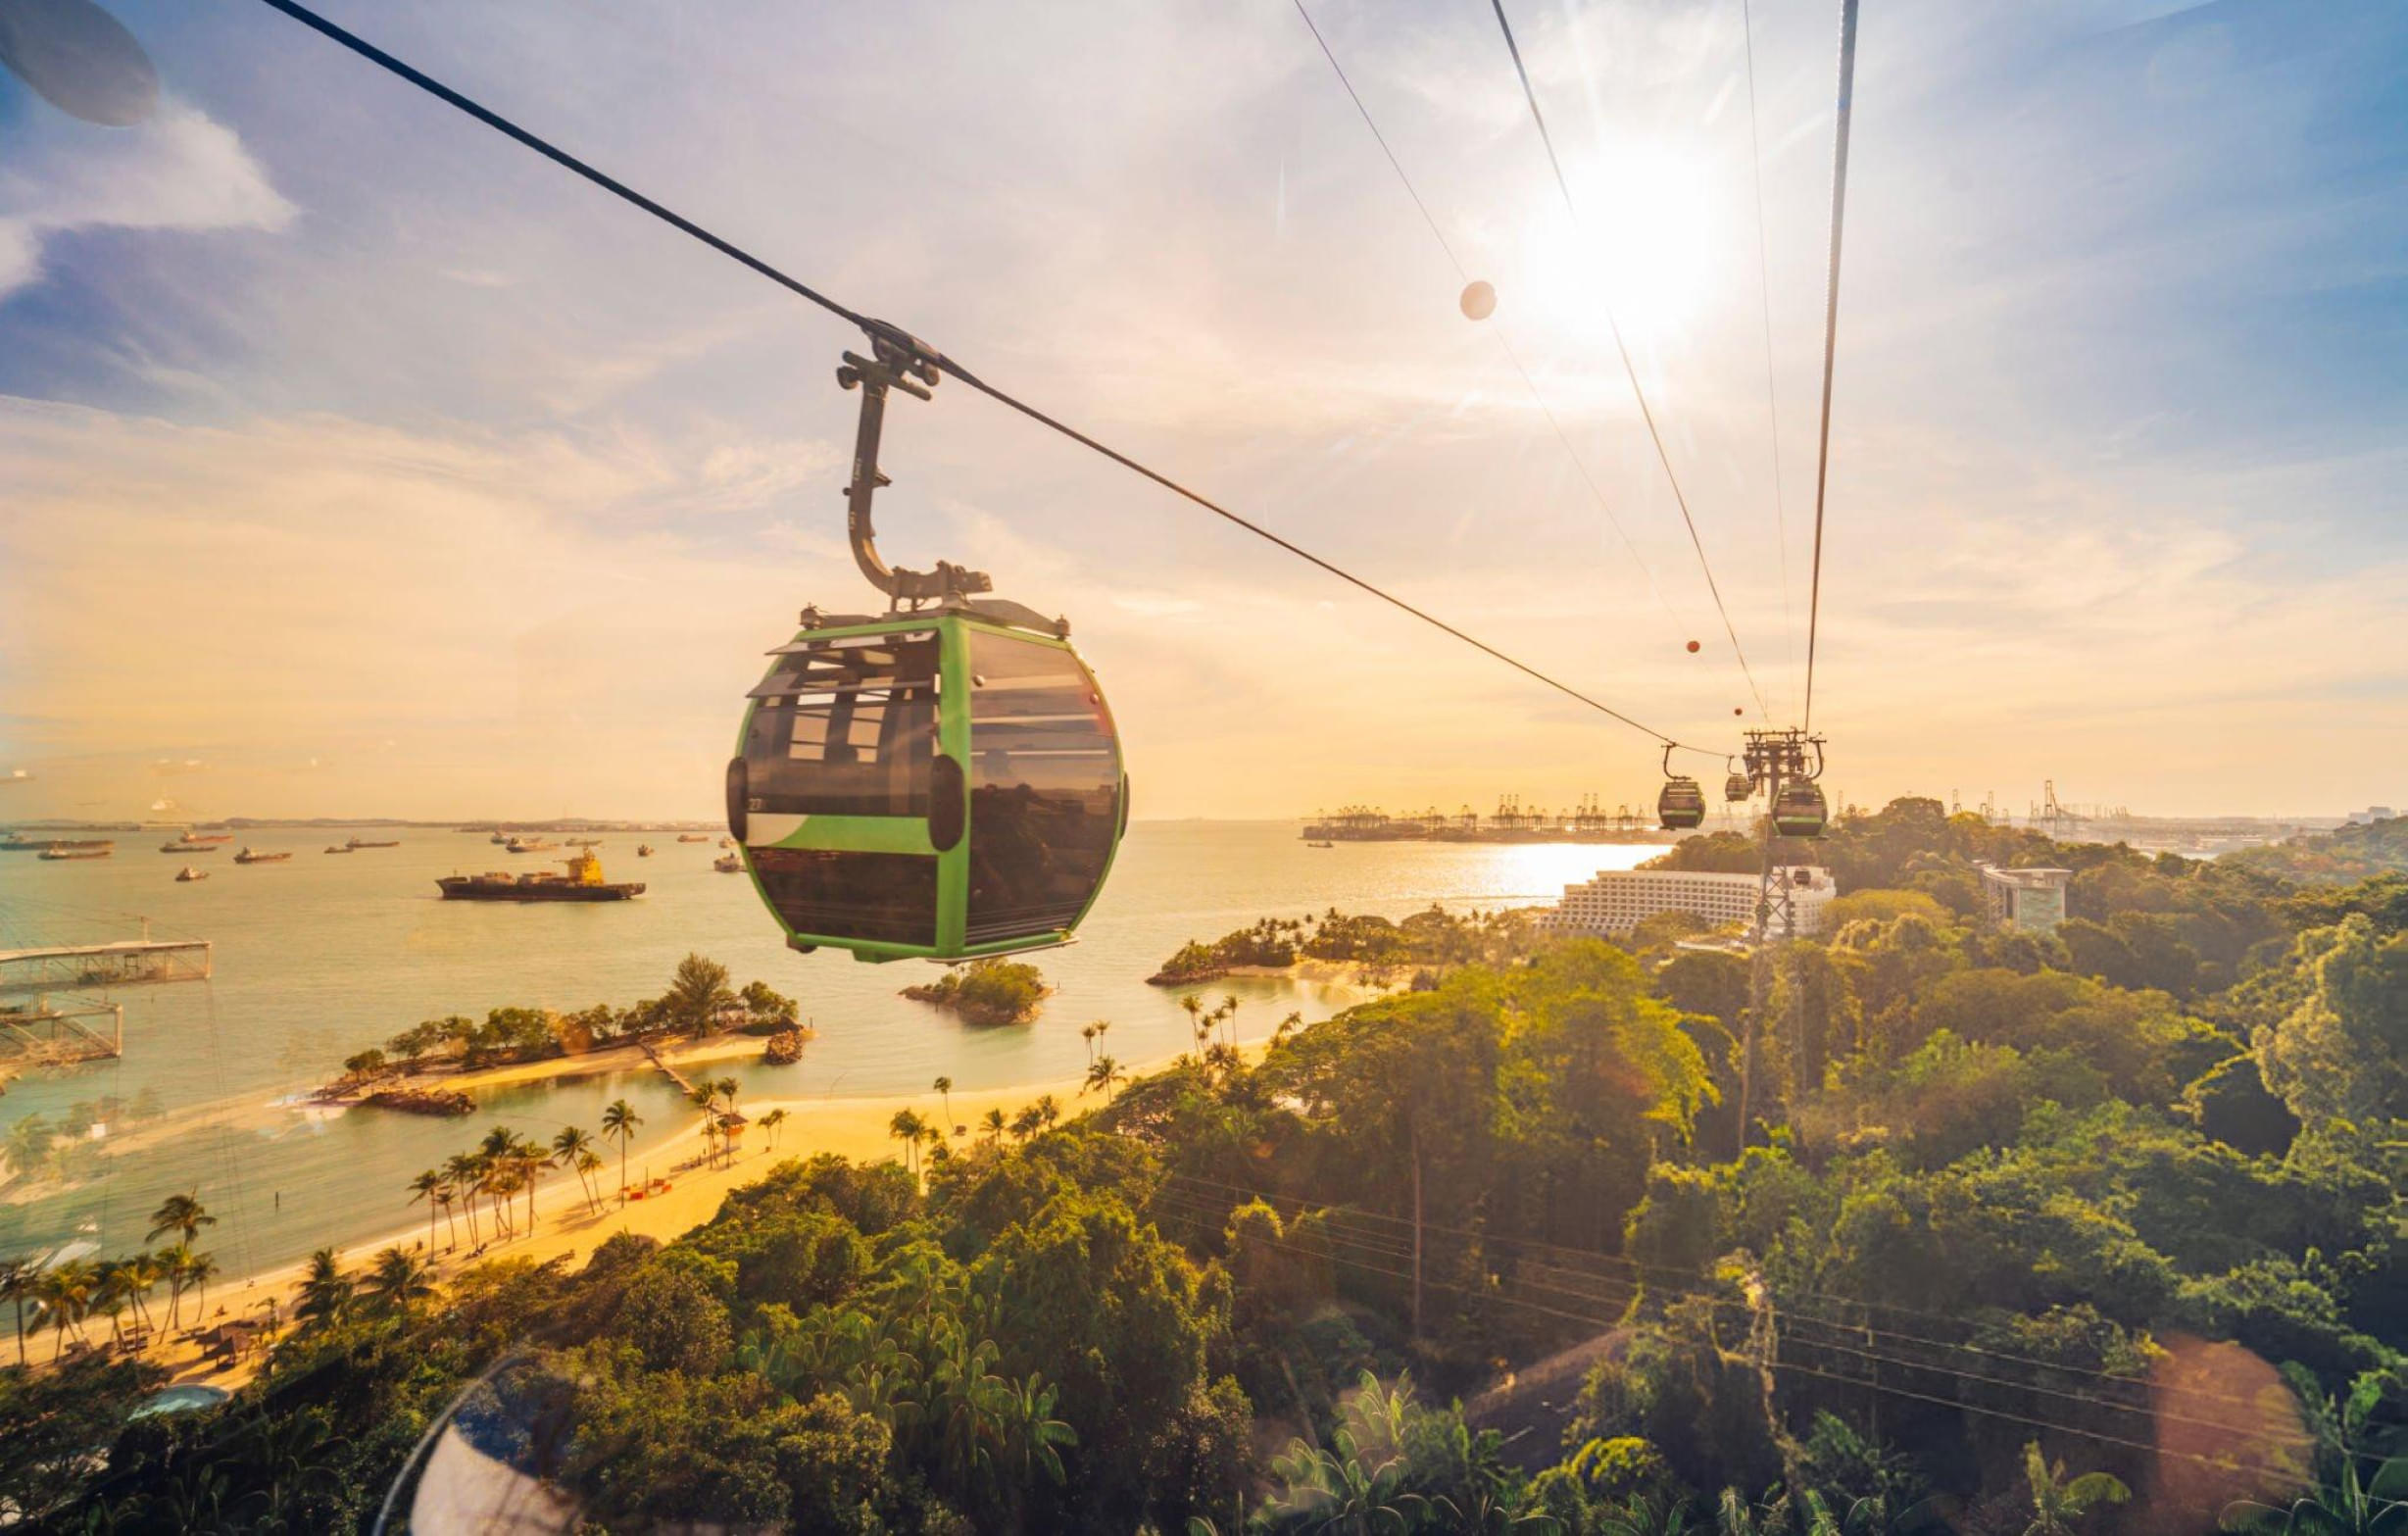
(58, 851)
(529, 845)
(187, 845)
(582, 883)
(17, 844)
(248, 857)
(361, 842)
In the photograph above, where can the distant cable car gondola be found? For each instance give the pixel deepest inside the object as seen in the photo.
(943, 780)
(1738, 787)
(1680, 805)
(1799, 810)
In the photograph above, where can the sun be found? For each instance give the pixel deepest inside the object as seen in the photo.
(1645, 250)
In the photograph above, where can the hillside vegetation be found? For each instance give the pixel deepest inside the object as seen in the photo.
(2092, 1232)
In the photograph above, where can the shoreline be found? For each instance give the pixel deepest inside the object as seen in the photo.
(603, 1061)
(1335, 975)
(565, 1227)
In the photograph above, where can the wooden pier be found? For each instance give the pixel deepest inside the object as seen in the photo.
(126, 963)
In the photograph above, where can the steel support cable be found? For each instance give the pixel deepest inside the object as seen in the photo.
(1683, 1281)
(1764, 285)
(734, 252)
(1628, 369)
(1790, 1320)
(1830, 326)
(1586, 1319)
(1462, 274)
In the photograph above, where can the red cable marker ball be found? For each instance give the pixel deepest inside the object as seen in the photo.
(1692, 647)
(1735, 710)
(1479, 301)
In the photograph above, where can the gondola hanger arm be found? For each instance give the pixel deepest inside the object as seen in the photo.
(897, 361)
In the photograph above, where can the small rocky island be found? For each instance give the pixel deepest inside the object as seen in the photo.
(987, 992)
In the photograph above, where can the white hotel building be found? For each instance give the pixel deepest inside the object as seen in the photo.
(1614, 902)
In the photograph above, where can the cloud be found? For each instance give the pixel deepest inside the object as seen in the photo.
(182, 170)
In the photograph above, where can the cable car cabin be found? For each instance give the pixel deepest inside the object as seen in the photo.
(1681, 805)
(936, 785)
(1800, 810)
(1738, 787)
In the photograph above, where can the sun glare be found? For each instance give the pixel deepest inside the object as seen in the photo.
(1645, 248)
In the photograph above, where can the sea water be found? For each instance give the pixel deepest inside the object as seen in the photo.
(323, 955)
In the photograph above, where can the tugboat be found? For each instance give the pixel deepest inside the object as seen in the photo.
(582, 883)
(643, 850)
(497, 837)
(248, 857)
(187, 874)
(728, 864)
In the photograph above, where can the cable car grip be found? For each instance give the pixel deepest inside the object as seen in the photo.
(899, 360)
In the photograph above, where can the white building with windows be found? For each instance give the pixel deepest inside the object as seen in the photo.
(1614, 902)
(2032, 900)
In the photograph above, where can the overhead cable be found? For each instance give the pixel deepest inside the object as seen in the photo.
(621, 190)
(1830, 323)
(1463, 274)
(1630, 369)
(1764, 285)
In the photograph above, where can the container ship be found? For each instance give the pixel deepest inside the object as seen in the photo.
(18, 843)
(582, 883)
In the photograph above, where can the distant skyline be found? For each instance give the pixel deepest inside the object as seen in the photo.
(353, 460)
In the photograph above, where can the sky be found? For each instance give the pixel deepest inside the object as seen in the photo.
(355, 461)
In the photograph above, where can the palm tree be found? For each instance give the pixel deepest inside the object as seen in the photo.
(397, 1280)
(620, 1121)
(143, 1272)
(568, 1149)
(528, 1159)
(16, 1286)
(325, 1291)
(109, 1296)
(1028, 1122)
(2058, 1505)
(182, 1214)
(67, 1291)
(175, 1267)
(1088, 1034)
(1105, 1075)
(589, 1162)
(1048, 1111)
(427, 1186)
(945, 1094)
(992, 1126)
(1288, 1026)
(1194, 1008)
(1228, 1012)
(907, 1128)
(198, 1268)
(461, 1168)
(772, 1122)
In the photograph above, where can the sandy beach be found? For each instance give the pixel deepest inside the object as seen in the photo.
(566, 1225)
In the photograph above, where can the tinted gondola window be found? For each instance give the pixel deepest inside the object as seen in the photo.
(1045, 784)
(844, 727)
(885, 898)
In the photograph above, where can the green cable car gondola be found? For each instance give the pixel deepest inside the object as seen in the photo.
(1799, 810)
(941, 781)
(1680, 804)
(1738, 787)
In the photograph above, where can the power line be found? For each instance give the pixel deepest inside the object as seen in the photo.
(1683, 1281)
(1764, 285)
(1831, 322)
(1629, 370)
(1506, 1297)
(622, 190)
(1462, 274)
